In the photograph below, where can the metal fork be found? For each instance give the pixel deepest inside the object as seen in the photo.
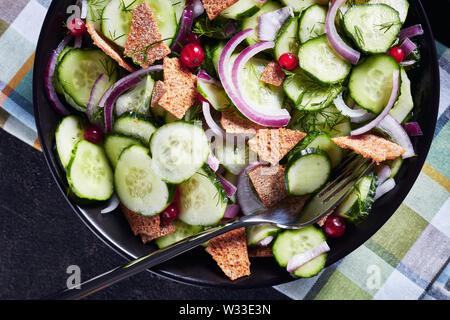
(284, 216)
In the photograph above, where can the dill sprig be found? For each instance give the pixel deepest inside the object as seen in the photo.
(385, 27)
(359, 35)
(127, 8)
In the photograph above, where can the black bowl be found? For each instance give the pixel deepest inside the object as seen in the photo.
(196, 267)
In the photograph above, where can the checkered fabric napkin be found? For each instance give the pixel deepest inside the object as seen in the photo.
(406, 259)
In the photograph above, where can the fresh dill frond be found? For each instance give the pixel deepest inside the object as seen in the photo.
(359, 35)
(385, 27)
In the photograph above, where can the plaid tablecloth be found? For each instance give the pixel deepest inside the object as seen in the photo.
(408, 258)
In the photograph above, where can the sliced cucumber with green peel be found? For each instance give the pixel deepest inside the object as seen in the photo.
(258, 232)
(307, 171)
(372, 27)
(401, 6)
(312, 23)
(88, 173)
(136, 99)
(252, 21)
(135, 125)
(319, 60)
(395, 166)
(179, 150)
(114, 145)
(234, 157)
(138, 187)
(58, 88)
(307, 94)
(117, 17)
(79, 69)
(291, 242)
(405, 103)
(68, 133)
(241, 9)
(216, 96)
(178, 7)
(95, 11)
(287, 41)
(299, 5)
(182, 231)
(201, 202)
(216, 53)
(357, 205)
(370, 83)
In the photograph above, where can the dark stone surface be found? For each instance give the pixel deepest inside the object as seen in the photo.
(41, 237)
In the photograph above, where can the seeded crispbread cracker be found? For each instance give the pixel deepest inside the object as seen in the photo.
(273, 144)
(260, 252)
(144, 43)
(106, 48)
(371, 146)
(158, 91)
(322, 221)
(181, 88)
(229, 250)
(273, 74)
(214, 7)
(233, 123)
(148, 228)
(269, 183)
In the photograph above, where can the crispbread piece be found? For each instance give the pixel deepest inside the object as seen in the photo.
(371, 146)
(144, 43)
(269, 183)
(229, 250)
(322, 221)
(260, 252)
(158, 91)
(148, 228)
(233, 123)
(273, 74)
(214, 7)
(106, 48)
(273, 144)
(181, 88)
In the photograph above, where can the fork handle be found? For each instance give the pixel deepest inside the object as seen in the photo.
(134, 267)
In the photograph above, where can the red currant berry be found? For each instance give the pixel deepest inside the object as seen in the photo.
(192, 55)
(194, 38)
(397, 53)
(93, 134)
(334, 227)
(201, 98)
(76, 27)
(171, 213)
(288, 61)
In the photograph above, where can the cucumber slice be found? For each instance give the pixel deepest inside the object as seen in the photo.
(58, 88)
(372, 27)
(370, 83)
(401, 6)
(319, 60)
(357, 205)
(307, 94)
(136, 99)
(88, 172)
(299, 5)
(312, 23)
(182, 231)
(287, 38)
(252, 22)
(179, 150)
(234, 157)
(216, 52)
(68, 133)
(216, 96)
(241, 9)
(201, 201)
(405, 103)
(80, 68)
(291, 242)
(117, 17)
(95, 11)
(135, 125)
(307, 171)
(138, 187)
(178, 7)
(258, 232)
(114, 145)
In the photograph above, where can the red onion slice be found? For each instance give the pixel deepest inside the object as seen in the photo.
(50, 73)
(407, 63)
(215, 128)
(383, 174)
(344, 50)
(394, 129)
(204, 76)
(246, 196)
(198, 8)
(78, 42)
(413, 129)
(300, 259)
(213, 162)
(186, 21)
(231, 211)
(390, 104)
(410, 32)
(346, 110)
(225, 77)
(266, 241)
(270, 23)
(230, 188)
(384, 188)
(97, 92)
(113, 203)
(408, 46)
